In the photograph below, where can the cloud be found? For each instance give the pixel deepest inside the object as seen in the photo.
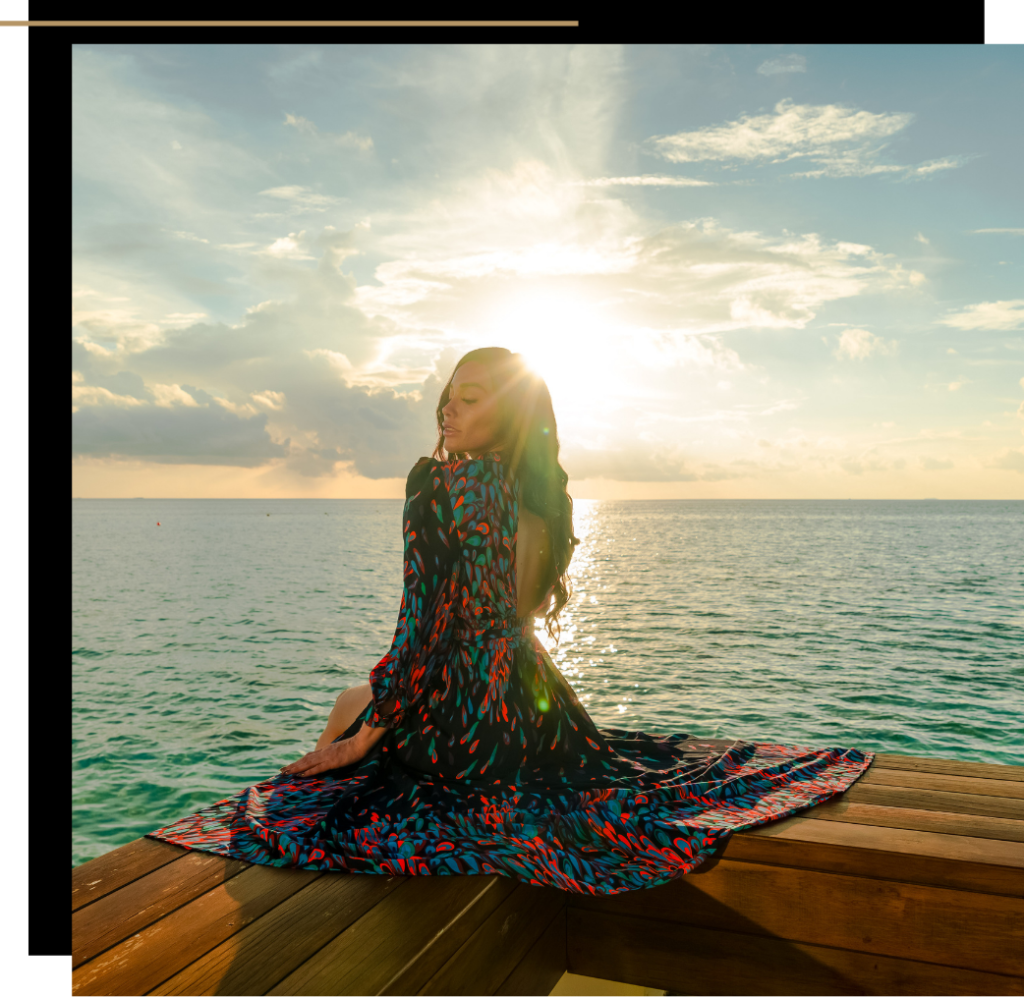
(188, 235)
(300, 124)
(302, 198)
(273, 400)
(635, 464)
(206, 434)
(172, 395)
(694, 276)
(794, 130)
(348, 374)
(183, 318)
(559, 103)
(723, 279)
(298, 65)
(349, 139)
(1010, 460)
(845, 142)
(647, 180)
(1013, 231)
(859, 344)
(993, 315)
(123, 328)
(86, 394)
(530, 219)
(783, 64)
(922, 239)
(123, 147)
(868, 463)
(231, 394)
(122, 384)
(712, 472)
(288, 247)
(267, 379)
(936, 463)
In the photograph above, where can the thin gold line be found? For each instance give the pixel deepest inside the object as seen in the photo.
(289, 24)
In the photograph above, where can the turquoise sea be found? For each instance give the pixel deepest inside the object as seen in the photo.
(207, 650)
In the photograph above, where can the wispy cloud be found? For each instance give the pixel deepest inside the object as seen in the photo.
(1013, 231)
(302, 197)
(1009, 460)
(637, 463)
(348, 139)
(189, 235)
(845, 142)
(646, 180)
(794, 130)
(995, 315)
(792, 63)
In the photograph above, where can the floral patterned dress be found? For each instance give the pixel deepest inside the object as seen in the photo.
(490, 764)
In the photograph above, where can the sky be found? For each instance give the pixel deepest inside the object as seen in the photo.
(744, 271)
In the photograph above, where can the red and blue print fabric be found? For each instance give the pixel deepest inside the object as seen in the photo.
(490, 764)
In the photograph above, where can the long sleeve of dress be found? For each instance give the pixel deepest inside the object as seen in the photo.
(423, 635)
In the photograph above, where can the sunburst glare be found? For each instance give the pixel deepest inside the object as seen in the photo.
(569, 343)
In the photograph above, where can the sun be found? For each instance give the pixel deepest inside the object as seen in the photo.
(568, 343)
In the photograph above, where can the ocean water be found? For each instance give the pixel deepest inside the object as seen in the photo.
(208, 650)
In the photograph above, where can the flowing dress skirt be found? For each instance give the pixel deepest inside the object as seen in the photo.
(522, 785)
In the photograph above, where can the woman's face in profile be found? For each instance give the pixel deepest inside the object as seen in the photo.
(471, 415)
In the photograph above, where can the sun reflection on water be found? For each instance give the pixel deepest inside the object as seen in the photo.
(574, 652)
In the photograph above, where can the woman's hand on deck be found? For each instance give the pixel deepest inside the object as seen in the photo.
(348, 752)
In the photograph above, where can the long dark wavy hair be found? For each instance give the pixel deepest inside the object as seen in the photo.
(528, 438)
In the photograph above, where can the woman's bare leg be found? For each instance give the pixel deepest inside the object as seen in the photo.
(347, 707)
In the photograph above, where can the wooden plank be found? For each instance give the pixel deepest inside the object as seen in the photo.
(977, 864)
(998, 828)
(402, 941)
(922, 923)
(942, 766)
(264, 952)
(543, 966)
(144, 961)
(484, 961)
(118, 915)
(698, 960)
(100, 876)
(956, 848)
(927, 799)
(942, 783)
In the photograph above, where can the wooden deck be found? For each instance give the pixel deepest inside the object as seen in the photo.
(911, 883)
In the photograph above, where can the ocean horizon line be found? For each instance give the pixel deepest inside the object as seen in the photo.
(383, 498)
